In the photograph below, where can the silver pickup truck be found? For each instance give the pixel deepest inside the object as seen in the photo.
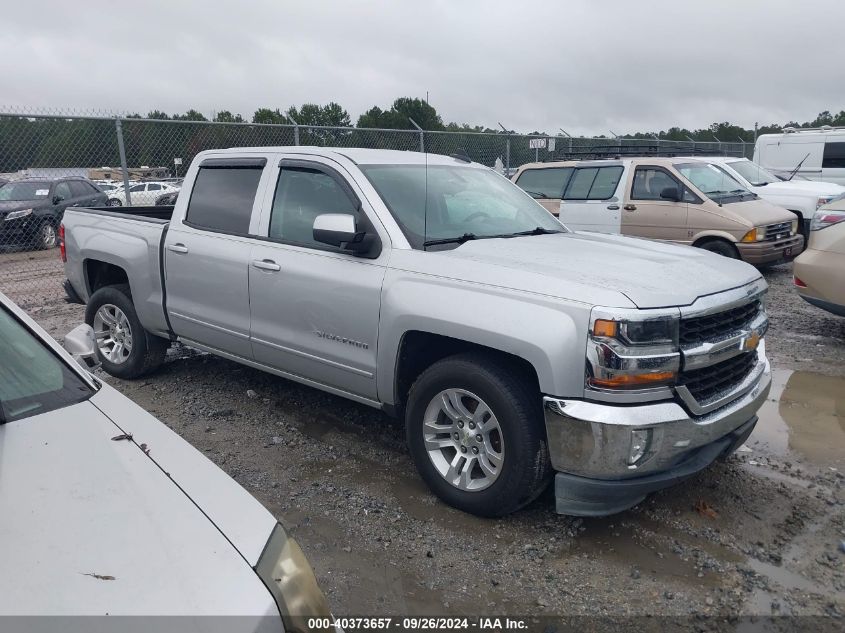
(434, 289)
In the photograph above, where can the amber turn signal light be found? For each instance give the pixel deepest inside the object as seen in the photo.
(603, 327)
(632, 380)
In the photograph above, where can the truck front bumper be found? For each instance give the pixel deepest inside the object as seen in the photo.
(590, 444)
(784, 250)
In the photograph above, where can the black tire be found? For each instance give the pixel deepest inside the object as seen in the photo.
(525, 470)
(148, 350)
(46, 236)
(114, 202)
(720, 247)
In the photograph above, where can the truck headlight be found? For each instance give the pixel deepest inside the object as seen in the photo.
(795, 226)
(20, 213)
(632, 353)
(285, 571)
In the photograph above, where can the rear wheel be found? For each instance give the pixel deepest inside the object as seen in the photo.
(114, 202)
(124, 347)
(476, 434)
(720, 247)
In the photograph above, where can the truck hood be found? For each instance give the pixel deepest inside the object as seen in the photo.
(757, 212)
(802, 188)
(93, 526)
(595, 268)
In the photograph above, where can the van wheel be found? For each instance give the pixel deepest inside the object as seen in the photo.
(124, 347)
(475, 430)
(720, 247)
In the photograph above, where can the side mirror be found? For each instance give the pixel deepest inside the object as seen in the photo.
(670, 193)
(338, 229)
(57, 199)
(81, 343)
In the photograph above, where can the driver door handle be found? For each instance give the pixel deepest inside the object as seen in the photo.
(266, 264)
(613, 207)
(177, 248)
(630, 207)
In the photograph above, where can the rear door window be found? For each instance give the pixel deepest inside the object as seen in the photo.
(222, 197)
(544, 183)
(834, 155)
(593, 183)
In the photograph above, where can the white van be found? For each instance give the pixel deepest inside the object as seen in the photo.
(811, 153)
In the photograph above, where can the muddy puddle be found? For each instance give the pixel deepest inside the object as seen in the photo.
(803, 418)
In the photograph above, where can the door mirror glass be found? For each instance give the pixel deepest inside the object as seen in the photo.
(81, 344)
(338, 229)
(670, 193)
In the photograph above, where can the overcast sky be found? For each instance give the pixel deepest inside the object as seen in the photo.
(585, 66)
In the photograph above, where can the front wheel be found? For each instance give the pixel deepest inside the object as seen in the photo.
(124, 347)
(476, 434)
(721, 247)
(46, 238)
(114, 202)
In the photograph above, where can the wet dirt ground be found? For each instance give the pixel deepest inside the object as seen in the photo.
(758, 534)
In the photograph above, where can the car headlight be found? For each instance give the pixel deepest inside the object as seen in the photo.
(285, 571)
(20, 213)
(823, 200)
(639, 352)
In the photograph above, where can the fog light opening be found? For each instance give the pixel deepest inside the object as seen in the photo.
(640, 443)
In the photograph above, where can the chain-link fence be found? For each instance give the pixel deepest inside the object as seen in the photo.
(54, 161)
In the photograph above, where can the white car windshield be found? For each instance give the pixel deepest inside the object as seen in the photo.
(444, 203)
(753, 173)
(33, 380)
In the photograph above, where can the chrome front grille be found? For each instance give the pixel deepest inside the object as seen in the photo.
(778, 231)
(713, 327)
(709, 382)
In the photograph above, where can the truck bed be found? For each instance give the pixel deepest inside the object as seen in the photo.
(146, 214)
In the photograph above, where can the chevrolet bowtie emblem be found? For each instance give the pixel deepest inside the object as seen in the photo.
(750, 342)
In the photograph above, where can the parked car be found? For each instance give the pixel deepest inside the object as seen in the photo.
(166, 200)
(141, 194)
(434, 289)
(813, 153)
(819, 273)
(802, 197)
(32, 209)
(119, 512)
(671, 199)
(109, 187)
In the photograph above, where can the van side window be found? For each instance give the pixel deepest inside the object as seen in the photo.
(593, 183)
(548, 182)
(834, 154)
(222, 198)
(649, 182)
(301, 195)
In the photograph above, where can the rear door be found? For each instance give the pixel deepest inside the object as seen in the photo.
(545, 185)
(591, 199)
(315, 308)
(207, 253)
(647, 213)
(833, 161)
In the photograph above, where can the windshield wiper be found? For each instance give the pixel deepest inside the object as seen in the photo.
(535, 231)
(536, 195)
(466, 237)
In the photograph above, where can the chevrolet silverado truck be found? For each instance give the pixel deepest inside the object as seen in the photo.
(432, 288)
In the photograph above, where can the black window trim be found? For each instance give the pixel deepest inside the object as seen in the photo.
(335, 175)
(234, 163)
(682, 188)
(590, 188)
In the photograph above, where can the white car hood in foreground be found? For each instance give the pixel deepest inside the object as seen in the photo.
(93, 526)
(595, 268)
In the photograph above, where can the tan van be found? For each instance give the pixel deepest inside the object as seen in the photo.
(819, 273)
(687, 201)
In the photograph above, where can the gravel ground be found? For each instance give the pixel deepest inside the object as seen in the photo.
(757, 534)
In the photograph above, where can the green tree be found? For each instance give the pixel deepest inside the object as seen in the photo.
(397, 117)
(266, 115)
(224, 116)
(331, 114)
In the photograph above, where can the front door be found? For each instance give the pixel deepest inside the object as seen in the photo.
(315, 309)
(207, 257)
(591, 199)
(647, 213)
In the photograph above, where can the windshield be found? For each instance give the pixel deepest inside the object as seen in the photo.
(452, 202)
(710, 180)
(32, 379)
(24, 190)
(753, 173)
